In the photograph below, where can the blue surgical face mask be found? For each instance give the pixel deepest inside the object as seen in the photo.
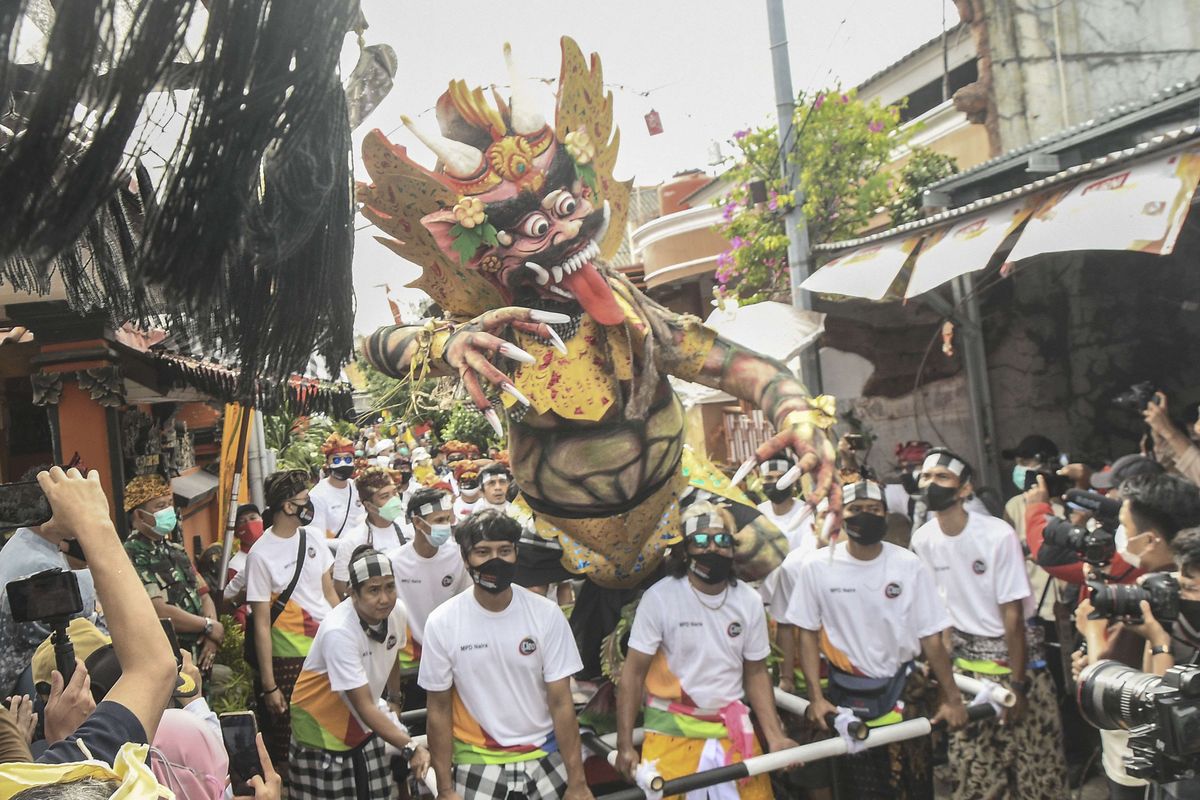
(165, 521)
(440, 534)
(1018, 476)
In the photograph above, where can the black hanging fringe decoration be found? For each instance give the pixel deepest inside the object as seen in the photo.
(248, 248)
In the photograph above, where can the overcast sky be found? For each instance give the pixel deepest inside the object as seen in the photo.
(703, 65)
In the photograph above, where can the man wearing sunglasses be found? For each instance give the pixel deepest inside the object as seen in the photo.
(697, 648)
(336, 503)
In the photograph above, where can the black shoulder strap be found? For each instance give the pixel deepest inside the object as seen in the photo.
(282, 601)
(349, 502)
(399, 533)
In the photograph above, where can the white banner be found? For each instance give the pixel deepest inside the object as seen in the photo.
(866, 272)
(965, 246)
(1139, 207)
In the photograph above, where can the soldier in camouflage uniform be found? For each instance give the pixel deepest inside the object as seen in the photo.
(166, 571)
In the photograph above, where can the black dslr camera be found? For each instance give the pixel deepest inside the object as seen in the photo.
(1161, 714)
(1123, 601)
(1137, 398)
(1095, 547)
(50, 597)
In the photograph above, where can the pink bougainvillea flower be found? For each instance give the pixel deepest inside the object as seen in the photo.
(728, 212)
(742, 134)
(820, 101)
(875, 126)
(737, 242)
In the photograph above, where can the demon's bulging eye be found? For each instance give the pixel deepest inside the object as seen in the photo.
(535, 225)
(565, 205)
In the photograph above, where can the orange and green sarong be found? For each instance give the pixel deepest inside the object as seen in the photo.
(293, 632)
(676, 735)
(473, 745)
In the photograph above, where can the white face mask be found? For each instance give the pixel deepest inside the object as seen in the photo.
(1121, 539)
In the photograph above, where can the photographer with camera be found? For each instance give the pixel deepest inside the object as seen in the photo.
(1171, 441)
(1154, 508)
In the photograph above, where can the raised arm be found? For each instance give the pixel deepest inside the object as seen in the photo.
(148, 669)
(698, 354)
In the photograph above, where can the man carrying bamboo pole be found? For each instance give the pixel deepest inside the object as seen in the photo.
(979, 568)
(871, 607)
(697, 648)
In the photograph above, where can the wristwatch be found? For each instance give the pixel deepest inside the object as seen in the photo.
(396, 698)
(407, 752)
(1160, 650)
(208, 626)
(1020, 686)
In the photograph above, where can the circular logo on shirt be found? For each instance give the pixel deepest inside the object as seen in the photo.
(528, 646)
(391, 641)
(892, 590)
(446, 581)
(312, 552)
(978, 567)
(734, 630)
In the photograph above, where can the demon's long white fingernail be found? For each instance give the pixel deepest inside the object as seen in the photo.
(789, 477)
(494, 420)
(744, 470)
(515, 392)
(510, 350)
(557, 341)
(551, 317)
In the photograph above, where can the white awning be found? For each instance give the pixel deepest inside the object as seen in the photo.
(866, 272)
(1135, 200)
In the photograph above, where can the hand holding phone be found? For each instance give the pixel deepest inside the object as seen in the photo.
(239, 732)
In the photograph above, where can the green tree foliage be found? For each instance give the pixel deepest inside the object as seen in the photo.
(841, 151)
(296, 441)
(468, 425)
(923, 167)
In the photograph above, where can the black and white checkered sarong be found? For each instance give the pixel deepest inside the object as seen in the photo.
(536, 779)
(322, 774)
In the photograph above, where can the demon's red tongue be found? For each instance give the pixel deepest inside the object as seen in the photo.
(594, 294)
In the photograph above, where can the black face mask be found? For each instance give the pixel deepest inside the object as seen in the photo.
(305, 513)
(342, 473)
(865, 529)
(939, 498)
(711, 567)
(776, 495)
(494, 575)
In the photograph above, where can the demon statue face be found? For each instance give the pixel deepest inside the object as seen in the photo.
(518, 205)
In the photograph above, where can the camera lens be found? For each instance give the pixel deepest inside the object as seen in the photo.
(1113, 696)
(1119, 600)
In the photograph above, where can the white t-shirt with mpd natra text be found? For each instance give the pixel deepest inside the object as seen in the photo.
(343, 651)
(272, 562)
(976, 571)
(705, 639)
(796, 524)
(382, 539)
(874, 613)
(425, 583)
(499, 663)
(336, 511)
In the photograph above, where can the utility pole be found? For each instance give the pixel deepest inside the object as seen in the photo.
(794, 222)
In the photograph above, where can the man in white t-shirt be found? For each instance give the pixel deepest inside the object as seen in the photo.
(870, 608)
(497, 663)
(337, 507)
(698, 646)
(793, 517)
(979, 569)
(382, 529)
(339, 721)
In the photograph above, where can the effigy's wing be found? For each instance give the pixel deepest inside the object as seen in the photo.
(583, 104)
(400, 194)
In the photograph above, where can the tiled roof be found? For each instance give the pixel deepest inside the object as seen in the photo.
(1047, 142)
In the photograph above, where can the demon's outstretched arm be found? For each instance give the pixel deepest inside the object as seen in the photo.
(800, 422)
